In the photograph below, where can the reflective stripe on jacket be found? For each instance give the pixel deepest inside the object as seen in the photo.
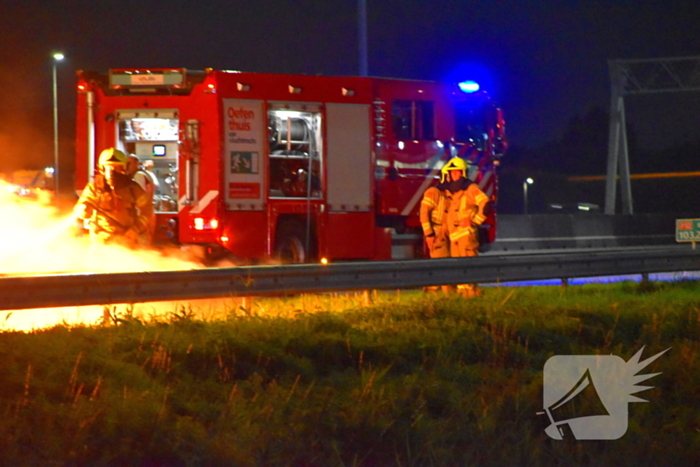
(466, 212)
(114, 211)
(433, 209)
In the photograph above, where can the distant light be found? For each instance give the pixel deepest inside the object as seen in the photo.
(58, 56)
(401, 145)
(469, 86)
(324, 260)
(530, 181)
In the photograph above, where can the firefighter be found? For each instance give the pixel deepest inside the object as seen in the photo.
(433, 219)
(148, 182)
(466, 211)
(115, 208)
(141, 174)
(433, 213)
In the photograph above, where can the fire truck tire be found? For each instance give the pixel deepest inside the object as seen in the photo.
(290, 244)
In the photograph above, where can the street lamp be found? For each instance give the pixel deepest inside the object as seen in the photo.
(57, 57)
(528, 181)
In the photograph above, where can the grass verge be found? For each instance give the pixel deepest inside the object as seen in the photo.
(402, 379)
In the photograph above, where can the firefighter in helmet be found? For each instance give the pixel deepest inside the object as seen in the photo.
(467, 210)
(433, 214)
(433, 219)
(115, 208)
(146, 180)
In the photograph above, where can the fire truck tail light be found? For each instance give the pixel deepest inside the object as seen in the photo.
(202, 224)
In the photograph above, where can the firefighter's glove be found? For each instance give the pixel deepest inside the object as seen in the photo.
(430, 241)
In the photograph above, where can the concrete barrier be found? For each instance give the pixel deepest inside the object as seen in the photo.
(569, 231)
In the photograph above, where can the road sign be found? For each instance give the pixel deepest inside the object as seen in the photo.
(688, 230)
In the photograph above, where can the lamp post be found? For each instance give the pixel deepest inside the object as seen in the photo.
(362, 33)
(528, 181)
(57, 57)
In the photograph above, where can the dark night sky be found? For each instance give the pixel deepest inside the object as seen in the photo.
(544, 61)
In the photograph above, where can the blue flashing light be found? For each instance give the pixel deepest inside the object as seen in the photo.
(468, 86)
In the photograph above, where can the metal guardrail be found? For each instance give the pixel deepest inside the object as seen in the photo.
(27, 292)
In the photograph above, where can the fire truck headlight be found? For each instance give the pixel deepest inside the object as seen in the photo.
(198, 223)
(214, 224)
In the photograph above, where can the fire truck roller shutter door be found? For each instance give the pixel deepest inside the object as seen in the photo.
(349, 158)
(350, 225)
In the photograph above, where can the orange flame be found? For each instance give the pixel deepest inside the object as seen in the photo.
(35, 238)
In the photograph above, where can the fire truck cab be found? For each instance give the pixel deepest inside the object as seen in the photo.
(293, 167)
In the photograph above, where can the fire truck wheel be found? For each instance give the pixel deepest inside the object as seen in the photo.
(290, 244)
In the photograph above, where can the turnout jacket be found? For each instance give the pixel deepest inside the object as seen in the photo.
(112, 212)
(466, 212)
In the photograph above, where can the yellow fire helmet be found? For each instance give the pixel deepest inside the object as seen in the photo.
(112, 156)
(455, 163)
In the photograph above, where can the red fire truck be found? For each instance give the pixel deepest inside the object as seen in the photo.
(294, 167)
